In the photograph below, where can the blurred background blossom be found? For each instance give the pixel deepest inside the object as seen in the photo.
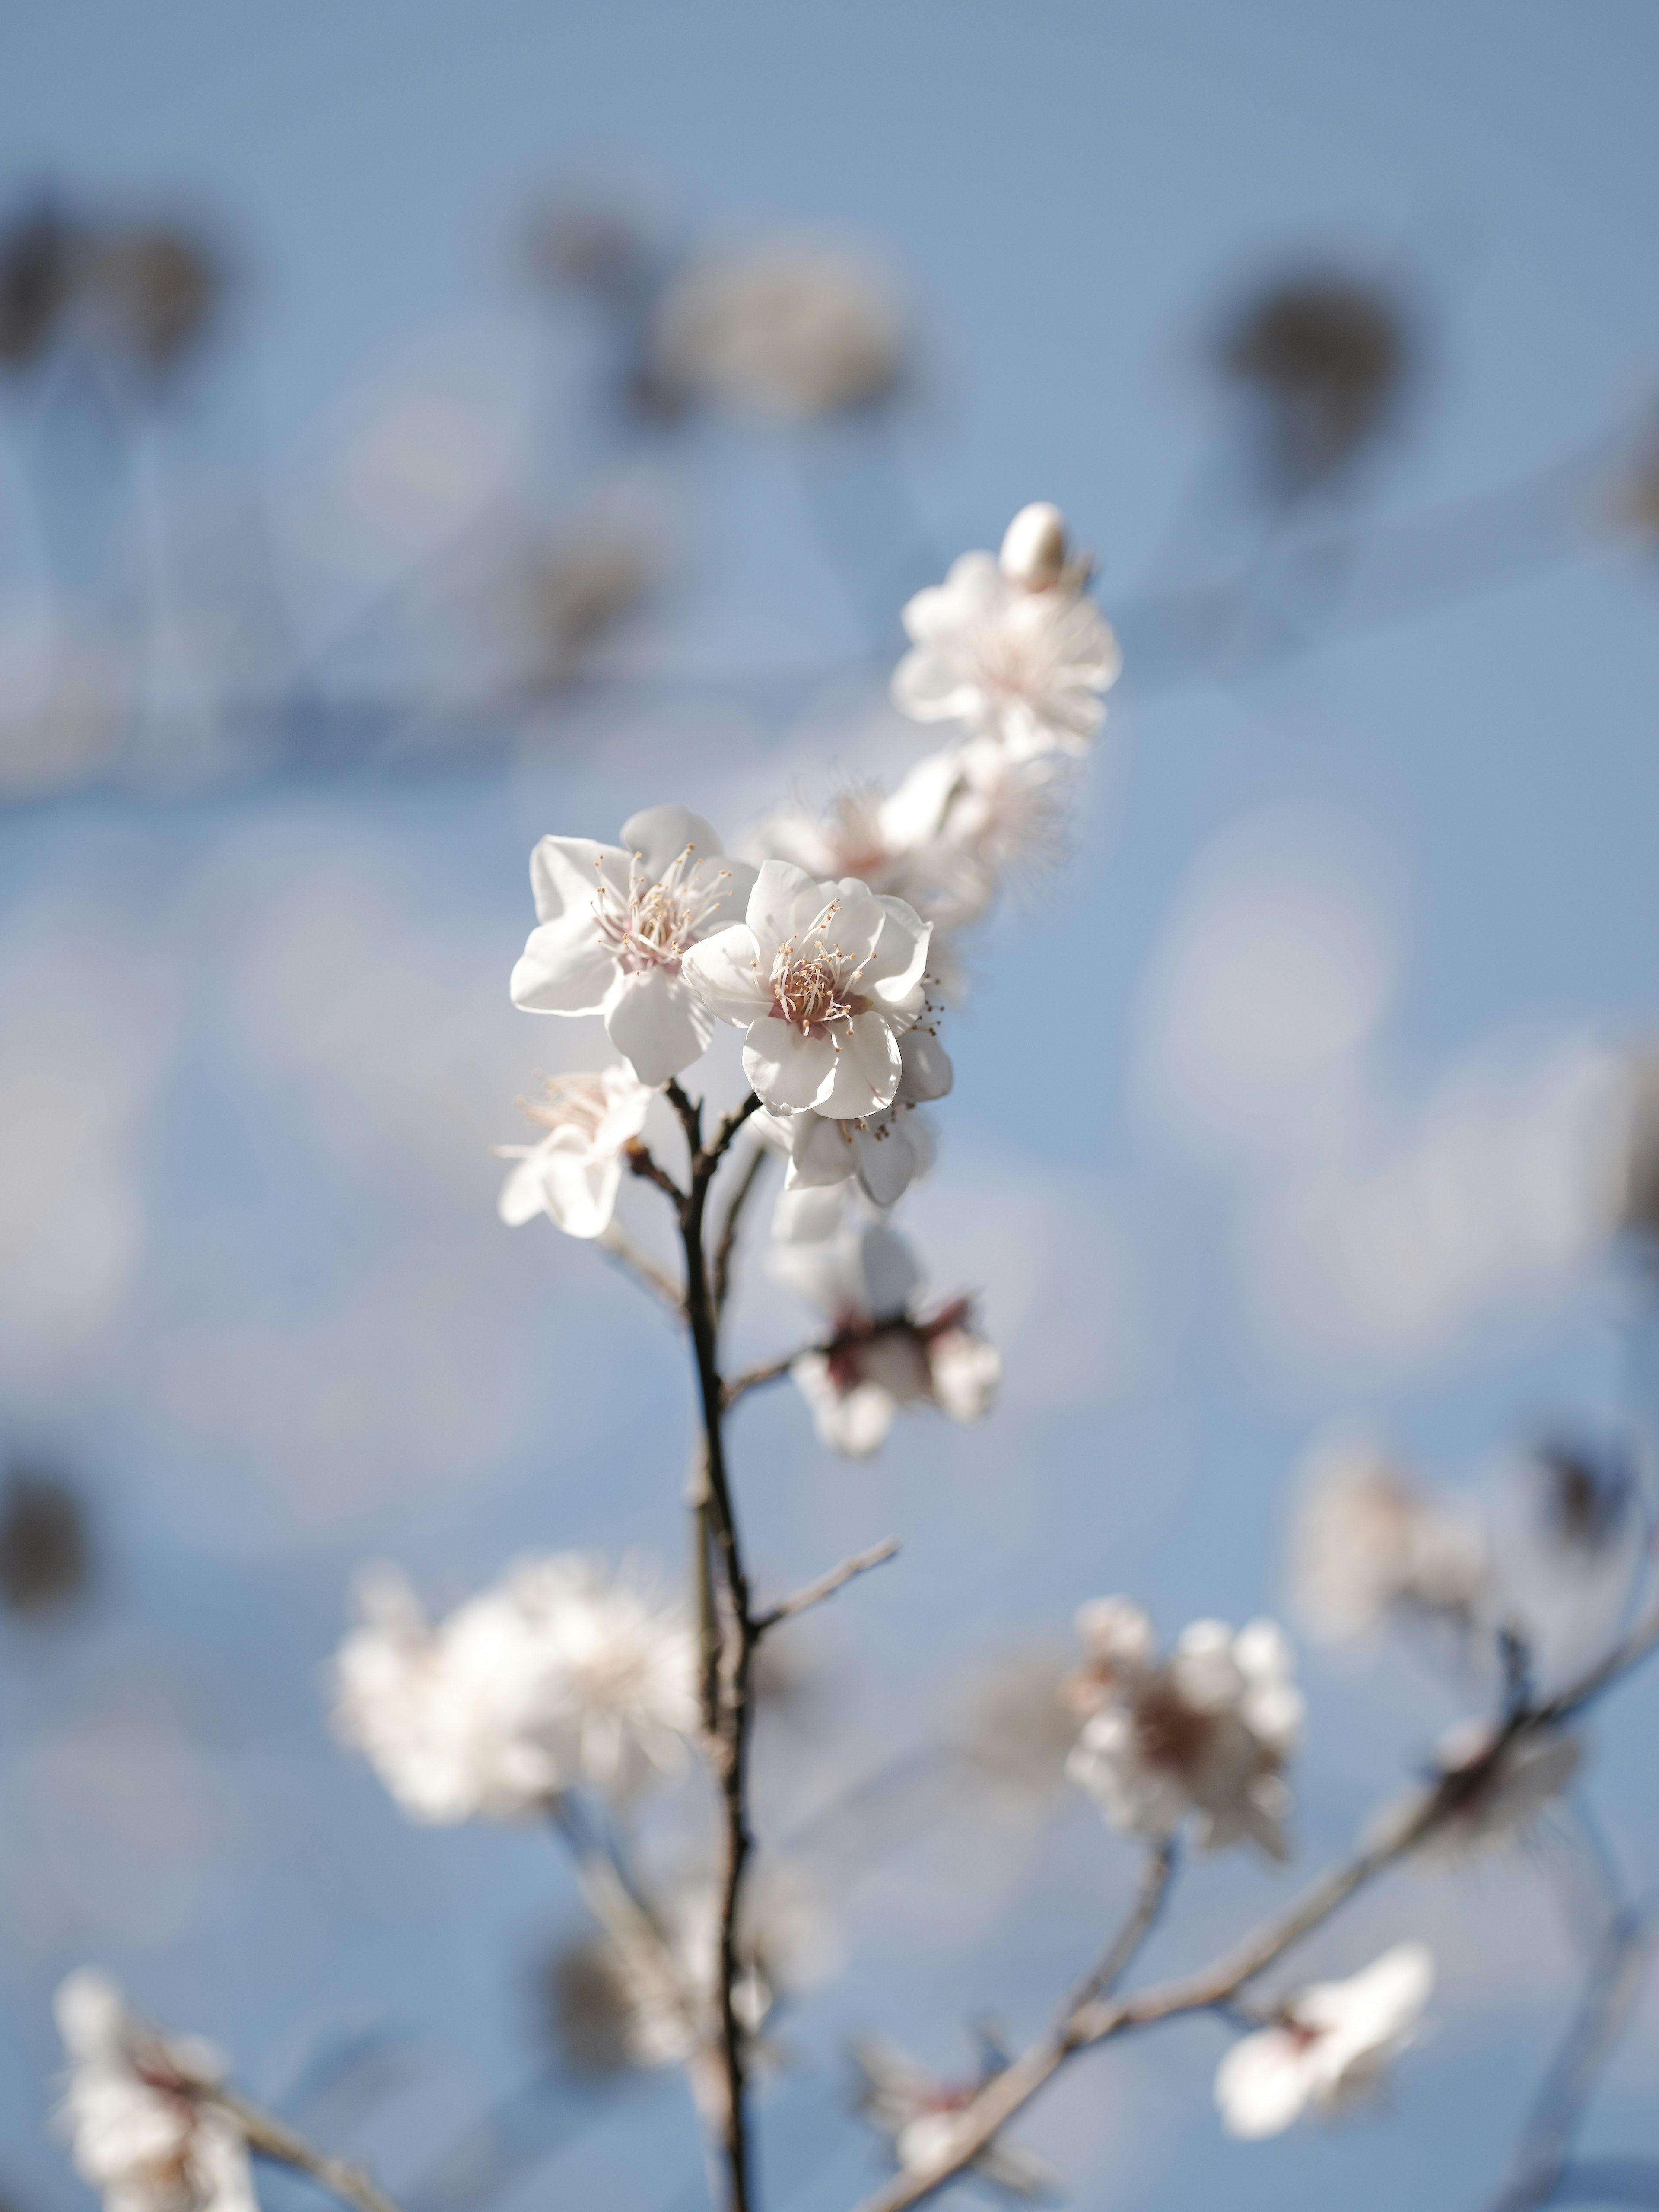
(418, 435)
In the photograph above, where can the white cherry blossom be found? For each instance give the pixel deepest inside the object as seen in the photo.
(139, 2131)
(1207, 1732)
(885, 1151)
(1330, 2046)
(558, 1675)
(825, 978)
(616, 923)
(883, 1354)
(1366, 1542)
(1014, 657)
(574, 1173)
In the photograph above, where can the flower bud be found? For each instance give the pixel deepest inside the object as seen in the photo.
(1034, 550)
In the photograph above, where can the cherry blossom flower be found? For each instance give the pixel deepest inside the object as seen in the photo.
(882, 1354)
(825, 978)
(141, 2131)
(1366, 1542)
(574, 1173)
(1525, 1779)
(556, 1675)
(616, 923)
(1330, 2046)
(921, 2117)
(1011, 647)
(885, 1151)
(1207, 1732)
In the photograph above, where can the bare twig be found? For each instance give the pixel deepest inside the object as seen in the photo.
(615, 1240)
(756, 1379)
(270, 2138)
(1156, 1877)
(728, 1236)
(826, 1585)
(642, 1163)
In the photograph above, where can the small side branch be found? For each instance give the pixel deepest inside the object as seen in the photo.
(642, 1163)
(724, 1249)
(615, 1240)
(827, 1585)
(270, 2138)
(1125, 1948)
(756, 1379)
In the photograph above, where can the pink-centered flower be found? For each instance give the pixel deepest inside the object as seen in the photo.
(1330, 2047)
(825, 978)
(1010, 646)
(573, 1174)
(1205, 1733)
(883, 1353)
(616, 924)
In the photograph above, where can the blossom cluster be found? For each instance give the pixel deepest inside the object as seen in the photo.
(557, 1677)
(831, 941)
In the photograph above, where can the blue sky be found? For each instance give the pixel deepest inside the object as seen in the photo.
(1070, 194)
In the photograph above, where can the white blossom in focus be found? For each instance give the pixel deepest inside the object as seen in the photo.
(559, 1674)
(1207, 1732)
(921, 2116)
(1330, 2047)
(1521, 1785)
(825, 978)
(1025, 662)
(616, 923)
(140, 2135)
(881, 1354)
(884, 1151)
(1366, 1541)
(573, 1174)
(785, 331)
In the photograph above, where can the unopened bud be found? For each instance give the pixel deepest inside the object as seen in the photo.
(1033, 548)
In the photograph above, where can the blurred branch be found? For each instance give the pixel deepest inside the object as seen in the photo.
(270, 2138)
(726, 1245)
(615, 1240)
(827, 1585)
(1611, 1989)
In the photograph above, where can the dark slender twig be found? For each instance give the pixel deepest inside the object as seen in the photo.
(1156, 1877)
(728, 1236)
(642, 1163)
(270, 2138)
(826, 1585)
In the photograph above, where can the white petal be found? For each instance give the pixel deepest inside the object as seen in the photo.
(566, 968)
(928, 688)
(658, 1022)
(927, 1073)
(864, 1074)
(1262, 2084)
(895, 967)
(789, 1071)
(565, 874)
(660, 834)
(726, 972)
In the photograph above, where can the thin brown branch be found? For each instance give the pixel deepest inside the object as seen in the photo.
(1099, 2021)
(826, 1585)
(615, 1240)
(642, 1163)
(725, 1249)
(756, 1379)
(271, 2138)
(1124, 1947)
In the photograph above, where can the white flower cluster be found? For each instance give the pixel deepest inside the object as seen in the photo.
(830, 946)
(1207, 1732)
(141, 2132)
(558, 1676)
(921, 2117)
